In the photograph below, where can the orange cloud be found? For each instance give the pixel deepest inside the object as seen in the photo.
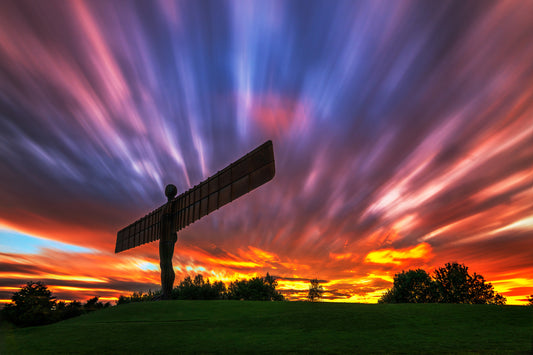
(400, 256)
(340, 256)
(262, 255)
(234, 263)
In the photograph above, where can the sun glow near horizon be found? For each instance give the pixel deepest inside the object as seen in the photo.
(249, 262)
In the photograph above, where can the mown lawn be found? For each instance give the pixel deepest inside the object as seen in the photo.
(274, 327)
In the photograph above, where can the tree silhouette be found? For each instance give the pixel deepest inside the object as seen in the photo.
(315, 291)
(455, 285)
(451, 284)
(35, 305)
(256, 289)
(412, 286)
(32, 305)
(93, 304)
(139, 297)
(199, 289)
(69, 310)
(530, 300)
(270, 285)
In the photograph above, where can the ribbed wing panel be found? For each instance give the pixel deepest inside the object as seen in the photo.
(237, 179)
(142, 231)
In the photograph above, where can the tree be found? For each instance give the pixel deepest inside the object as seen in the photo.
(32, 305)
(35, 305)
(186, 289)
(199, 289)
(271, 284)
(530, 300)
(450, 284)
(93, 304)
(412, 286)
(69, 310)
(256, 289)
(218, 290)
(455, 285)
(138, 297)
(315, 291)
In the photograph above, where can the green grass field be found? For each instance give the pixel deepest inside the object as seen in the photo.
(274, 327)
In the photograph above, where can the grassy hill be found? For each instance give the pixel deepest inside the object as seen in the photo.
(240, 326)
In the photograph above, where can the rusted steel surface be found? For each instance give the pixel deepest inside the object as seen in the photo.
(237, 179)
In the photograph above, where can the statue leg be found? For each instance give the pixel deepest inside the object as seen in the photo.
(166, 251)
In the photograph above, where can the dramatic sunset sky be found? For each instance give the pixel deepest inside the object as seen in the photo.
(402, 132)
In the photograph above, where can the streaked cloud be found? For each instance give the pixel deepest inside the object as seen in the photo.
(15, 242)
(399, 257)
(403, 136)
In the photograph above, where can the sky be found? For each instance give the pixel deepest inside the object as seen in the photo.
(402, 133)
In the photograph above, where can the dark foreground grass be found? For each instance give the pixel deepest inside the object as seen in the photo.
(275, 327)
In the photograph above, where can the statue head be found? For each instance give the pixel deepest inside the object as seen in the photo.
(170, 191)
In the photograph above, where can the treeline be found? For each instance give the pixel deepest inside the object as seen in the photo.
(449, 284)
(35, 305)
(198, 288)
